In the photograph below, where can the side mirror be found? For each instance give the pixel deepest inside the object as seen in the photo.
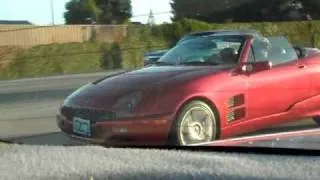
(256, 66)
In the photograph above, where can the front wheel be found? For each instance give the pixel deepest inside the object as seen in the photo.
(316, 119)
(195, 123)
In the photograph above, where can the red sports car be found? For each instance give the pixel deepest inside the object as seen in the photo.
(207, 88)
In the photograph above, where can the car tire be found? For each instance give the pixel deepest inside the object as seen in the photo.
(177, 136)
(316, 119)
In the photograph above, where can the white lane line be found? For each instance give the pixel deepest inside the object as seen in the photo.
(264, 136)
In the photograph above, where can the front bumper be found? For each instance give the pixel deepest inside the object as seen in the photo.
(138, 132)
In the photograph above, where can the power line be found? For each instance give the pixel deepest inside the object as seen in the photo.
(157, 13)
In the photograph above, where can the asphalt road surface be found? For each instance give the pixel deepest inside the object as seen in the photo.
(28, 108)
(97, 163)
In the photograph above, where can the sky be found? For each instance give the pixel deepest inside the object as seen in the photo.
(39, 11)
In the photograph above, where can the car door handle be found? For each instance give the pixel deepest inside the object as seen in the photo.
(302, 66)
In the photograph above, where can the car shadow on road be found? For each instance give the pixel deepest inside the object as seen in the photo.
(283, 129)
(61, 139)
(48, 139)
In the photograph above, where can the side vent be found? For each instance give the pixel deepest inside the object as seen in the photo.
(236, 101)
(236, 111)
(236, 115)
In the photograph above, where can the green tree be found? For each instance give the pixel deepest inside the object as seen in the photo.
(272, 10)
(244, 10)
(76, 13)
(115, 11)
(204, 10)
(311, 8)
(98, 11)
(93, 9)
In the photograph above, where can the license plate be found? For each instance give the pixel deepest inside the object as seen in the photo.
(81, 126)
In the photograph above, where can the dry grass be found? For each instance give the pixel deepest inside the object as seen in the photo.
(7, 55)
(53, 59)
(3, 145)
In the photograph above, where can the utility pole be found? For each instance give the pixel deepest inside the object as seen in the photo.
(52, 12)
(151, 20)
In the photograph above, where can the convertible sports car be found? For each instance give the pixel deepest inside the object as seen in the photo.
(207, 88)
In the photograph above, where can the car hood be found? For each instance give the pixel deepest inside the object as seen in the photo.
(303, 139)
(107, 90)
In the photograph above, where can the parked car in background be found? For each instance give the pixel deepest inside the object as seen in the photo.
(153, 57)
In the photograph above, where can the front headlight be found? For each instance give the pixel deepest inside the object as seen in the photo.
(128, 102)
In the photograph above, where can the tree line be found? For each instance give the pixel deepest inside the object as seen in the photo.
(220, 11)
(98, 11)
(212, 11)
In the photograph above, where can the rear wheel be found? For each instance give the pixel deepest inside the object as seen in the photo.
(195, 123)
(316, 119)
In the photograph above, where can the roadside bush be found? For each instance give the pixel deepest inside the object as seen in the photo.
(111, 58)
(128, 53)
(57, 59)
(7, 55)
(139, 41)
(301, 33)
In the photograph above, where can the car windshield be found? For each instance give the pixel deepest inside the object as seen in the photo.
(215, 49)
(191, 36)
(185, 38)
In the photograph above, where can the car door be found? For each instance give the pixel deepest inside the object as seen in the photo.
(311, 64)
(276, 90)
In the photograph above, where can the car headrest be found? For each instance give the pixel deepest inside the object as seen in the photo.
(211, 44)
(214, 45)
(229, 55)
